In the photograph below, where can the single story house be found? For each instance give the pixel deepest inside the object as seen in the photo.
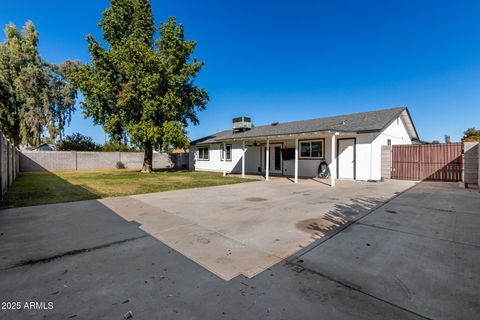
(350, 145)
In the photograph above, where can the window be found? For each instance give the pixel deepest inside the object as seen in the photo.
(311, 149)
(229, 152)
(202, 153)
(389, 142)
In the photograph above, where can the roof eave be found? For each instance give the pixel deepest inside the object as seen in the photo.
(290, 135)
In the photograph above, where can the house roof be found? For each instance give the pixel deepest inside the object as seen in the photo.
(47, 145)
(371, 121)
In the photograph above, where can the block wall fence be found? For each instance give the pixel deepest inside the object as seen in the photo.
(471, 162)
(38, 161)
(9, 164)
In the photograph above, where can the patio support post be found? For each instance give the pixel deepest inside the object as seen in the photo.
(296, 160)
(224, 159)
(333, 163)
(267, 160)
(243, 159)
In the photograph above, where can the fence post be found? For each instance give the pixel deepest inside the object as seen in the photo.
(12, 167)
(8, 165)
(14, 153)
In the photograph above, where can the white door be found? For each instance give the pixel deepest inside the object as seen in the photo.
(346, 158)
(275, 163)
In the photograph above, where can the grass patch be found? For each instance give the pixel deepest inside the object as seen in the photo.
(45, 187)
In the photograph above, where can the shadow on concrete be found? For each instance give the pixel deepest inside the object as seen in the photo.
(342, 214)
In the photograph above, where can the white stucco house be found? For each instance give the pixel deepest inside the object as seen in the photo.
(349, 144)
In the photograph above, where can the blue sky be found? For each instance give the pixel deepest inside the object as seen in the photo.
(292, 60)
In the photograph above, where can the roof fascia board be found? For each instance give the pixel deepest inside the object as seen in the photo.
(291, 135)
(413, 125)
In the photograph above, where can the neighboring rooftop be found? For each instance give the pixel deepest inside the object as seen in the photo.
(371, 121)
(45, 147)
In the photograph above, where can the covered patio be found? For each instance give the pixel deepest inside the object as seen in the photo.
(309, 151)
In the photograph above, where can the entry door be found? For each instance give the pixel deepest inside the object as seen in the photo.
(346, 158)
(275, 161)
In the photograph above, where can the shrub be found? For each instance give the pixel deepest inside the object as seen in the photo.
(120, 165)
(78, 142)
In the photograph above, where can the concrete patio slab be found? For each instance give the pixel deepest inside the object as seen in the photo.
(153, 281)
(356, 272)
(246, 228)
(421, 259)
(35, 233)
(434, 223)
(438, 196)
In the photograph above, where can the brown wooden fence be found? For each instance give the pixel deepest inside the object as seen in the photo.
(442, 162)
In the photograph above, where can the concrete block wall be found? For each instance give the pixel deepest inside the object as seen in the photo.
(471, 162)
(95, 160)
(32, 161)
(9, 164)
(386, 169)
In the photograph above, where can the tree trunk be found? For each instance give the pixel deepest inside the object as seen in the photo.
(147, 158)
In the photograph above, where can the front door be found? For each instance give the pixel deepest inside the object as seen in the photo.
(346, 158)
(275, 161)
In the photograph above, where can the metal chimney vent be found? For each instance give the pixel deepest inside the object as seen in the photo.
(241, 123)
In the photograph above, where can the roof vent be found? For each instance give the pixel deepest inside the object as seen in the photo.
(241, 123)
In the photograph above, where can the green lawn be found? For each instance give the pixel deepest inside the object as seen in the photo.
(41, 188)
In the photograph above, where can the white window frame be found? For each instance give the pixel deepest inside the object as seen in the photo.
(322, 155)
(208, 153)
(222, 152)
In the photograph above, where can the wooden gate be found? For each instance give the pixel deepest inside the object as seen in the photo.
(443, 162)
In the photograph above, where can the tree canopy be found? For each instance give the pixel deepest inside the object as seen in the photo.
(35, 96)
(471, 134)
(78, 142)
(140, 85)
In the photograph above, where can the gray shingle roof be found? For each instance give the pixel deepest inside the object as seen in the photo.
(358, 122)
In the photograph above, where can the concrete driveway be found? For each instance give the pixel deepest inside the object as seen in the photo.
(416, 256)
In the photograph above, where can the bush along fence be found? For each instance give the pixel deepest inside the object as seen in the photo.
(37, 161)
(9, 163)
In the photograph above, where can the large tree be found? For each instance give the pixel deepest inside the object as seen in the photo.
(35, 96)
(140, 85)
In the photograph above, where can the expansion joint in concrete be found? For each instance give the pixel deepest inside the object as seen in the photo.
(418, 235)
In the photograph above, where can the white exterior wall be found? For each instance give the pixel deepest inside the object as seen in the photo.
(215, 164)
(398, 134)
